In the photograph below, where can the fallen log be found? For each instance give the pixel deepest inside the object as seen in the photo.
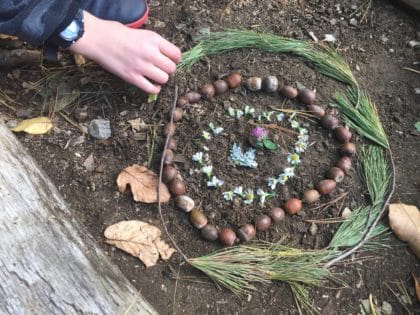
(48, 263)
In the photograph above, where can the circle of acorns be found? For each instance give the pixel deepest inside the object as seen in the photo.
(228, 236)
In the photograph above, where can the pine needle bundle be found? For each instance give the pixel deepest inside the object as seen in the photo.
(361, 115)
(377, 176)
(239, 268)
(325, 59)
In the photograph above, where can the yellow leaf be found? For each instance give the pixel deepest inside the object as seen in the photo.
(34, 126)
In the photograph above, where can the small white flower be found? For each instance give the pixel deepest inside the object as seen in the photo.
(280, 117)
(207, 170)
(267, 115)
(239, 191)
(272, 182)
(198, 157)
(303, 131)
(215, 182)
(231, 112)
(303, 138)
(283, 178)
(248, 197)
(206, 135)
(239, 113)
(289, 172)
(294, 124)
(263, 196)
(293, 158)
(228, 195)
(214, 129)
(300, 146)
(248, 110)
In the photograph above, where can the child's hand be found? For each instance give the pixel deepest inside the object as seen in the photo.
(140, 57)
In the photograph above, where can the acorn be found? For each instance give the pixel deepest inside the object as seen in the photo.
(208, 91)
(193, 97)
(227, 236)
(253, 84)
(307, 96)
(347, 149)
(316, 110)
(276, 215)
(220, 86)
(209, 232)
(336, 174)
(262, 222)
(246, 232)
(168, 157)
(185, 203)
(182, 102)
(172, 144)
(289, 92)
(329, 121)
(177, 114)
(234, 80)
(198, 219)
(169, 129)
(326, 186)
(293, 205)
(169, 173)
(270, 84)
(177, 187)
(342, 134)
(311, 195)
(344, 163)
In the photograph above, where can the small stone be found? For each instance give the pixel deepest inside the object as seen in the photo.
(89, 163)
(100, 129)
(386, 308)
(417, 91)
(24, 113)
(333, 22)
(346, 213)
(11, 123)
(391, 50)
(353, 22)
(313, 229)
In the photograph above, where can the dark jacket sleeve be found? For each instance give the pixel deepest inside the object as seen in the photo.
(36, 20)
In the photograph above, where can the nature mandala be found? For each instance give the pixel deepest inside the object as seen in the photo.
(264, 136)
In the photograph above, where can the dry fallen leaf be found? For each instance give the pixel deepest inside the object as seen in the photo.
(143, 183)
(139, 239)
(405, 222)
(417, 285)
(34, 126)
(80, 60)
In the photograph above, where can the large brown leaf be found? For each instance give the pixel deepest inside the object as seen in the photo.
(405, 222)
(143, 183)
(139, 239)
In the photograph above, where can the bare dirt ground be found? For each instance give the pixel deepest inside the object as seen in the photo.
(373, 41)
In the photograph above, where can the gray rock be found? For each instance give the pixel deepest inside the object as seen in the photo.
(100, 128)
(386, 308)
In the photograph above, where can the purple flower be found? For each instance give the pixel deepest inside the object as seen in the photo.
(257, 136)
(259, 133)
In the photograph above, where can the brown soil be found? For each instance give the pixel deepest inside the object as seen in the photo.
(376, 48)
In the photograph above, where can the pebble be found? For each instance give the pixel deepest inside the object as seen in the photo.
(313, 229)
(386, 308)
(11, 123)
(353, 22)
(346, 213)
(100, 129)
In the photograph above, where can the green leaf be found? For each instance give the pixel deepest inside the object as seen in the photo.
(417, 125)
(268, 144)
(152, 98)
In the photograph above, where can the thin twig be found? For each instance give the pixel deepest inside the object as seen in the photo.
(329, 203)
(160, 180)
(412, 70)
(274, 126)
(369, 229)
(176, 285)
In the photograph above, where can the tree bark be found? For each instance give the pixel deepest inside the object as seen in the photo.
(48, 263)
